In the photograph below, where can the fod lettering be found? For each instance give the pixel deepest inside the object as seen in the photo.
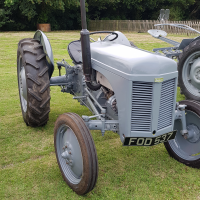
(140, 141)
(132, 140)
(148, 142)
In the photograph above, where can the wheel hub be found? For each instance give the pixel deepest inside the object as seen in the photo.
(193, 133)
(67, 154)
(195, 73)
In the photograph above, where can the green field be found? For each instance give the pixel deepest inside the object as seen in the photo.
(28, 166)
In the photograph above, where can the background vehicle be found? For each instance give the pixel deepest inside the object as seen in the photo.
(187, 53)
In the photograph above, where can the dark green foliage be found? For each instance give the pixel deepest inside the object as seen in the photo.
(25, 14)
(138, 9)
(4, 15)
(195, 10)
(65, 14)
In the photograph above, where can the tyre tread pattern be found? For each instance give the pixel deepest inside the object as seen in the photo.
(33, 65)
(30, 91)
(34, 61)
(45, 87)
(43, 71)
(35, 109)
(29, 76)
(41, 56)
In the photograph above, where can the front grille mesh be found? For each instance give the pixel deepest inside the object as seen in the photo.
(142, 95)
(166, 104)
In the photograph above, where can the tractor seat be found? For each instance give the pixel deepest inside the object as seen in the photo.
(74, 50)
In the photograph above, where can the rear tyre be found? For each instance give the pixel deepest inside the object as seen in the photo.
(33, 82)
(187, 151)
(75, 152)
(189, 71)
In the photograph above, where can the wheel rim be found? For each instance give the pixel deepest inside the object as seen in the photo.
(191, 73)
(187, 149)
(22, 85)
(69, 154)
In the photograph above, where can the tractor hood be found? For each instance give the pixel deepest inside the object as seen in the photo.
(129, 60)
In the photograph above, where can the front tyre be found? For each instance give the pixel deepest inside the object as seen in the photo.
(75, 153)
(187, 151)
(33, 82)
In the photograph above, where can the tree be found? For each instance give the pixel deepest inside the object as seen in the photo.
(138, 9)
(27, 13)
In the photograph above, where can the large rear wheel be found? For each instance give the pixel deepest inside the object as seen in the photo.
(187, 150)
(189, 71)
(75, 153)
(33, 82)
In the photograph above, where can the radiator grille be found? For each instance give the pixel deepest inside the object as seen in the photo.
(166, 104)
(142, 93)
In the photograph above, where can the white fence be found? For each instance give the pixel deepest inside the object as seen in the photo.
(141, 26)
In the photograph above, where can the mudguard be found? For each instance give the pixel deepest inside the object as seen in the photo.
(40, 36)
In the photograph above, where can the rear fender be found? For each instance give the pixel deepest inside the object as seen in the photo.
(40, 36)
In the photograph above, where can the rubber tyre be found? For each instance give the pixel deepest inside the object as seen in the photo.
(193, 106)
(31, 57)
(187, 51)
(88, 179)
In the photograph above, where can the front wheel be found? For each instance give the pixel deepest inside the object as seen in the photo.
(187, 151)
(75, 153)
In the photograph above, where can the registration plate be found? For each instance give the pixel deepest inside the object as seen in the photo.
(147, 141)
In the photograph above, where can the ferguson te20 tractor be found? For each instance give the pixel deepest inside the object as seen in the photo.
(130, 91)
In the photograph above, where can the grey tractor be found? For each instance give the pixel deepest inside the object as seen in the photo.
(130, 91)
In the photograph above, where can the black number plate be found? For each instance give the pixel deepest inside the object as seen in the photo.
(142, 141)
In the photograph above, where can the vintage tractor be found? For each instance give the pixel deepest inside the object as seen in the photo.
(187, 53)
(130, 91)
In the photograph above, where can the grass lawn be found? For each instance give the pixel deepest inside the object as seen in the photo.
(28, 166)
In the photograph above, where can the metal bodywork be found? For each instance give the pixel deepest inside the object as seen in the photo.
(140, 76)
(126, 67)
(142, 86)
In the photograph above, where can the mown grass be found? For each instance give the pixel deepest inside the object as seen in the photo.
(28, 167)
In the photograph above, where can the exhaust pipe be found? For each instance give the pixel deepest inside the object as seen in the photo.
(85, 45)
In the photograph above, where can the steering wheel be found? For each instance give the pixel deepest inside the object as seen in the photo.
(111, 33)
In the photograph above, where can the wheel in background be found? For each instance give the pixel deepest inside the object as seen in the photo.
(187, 151)
(75, 153)
(189, 71)
(33, 82)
